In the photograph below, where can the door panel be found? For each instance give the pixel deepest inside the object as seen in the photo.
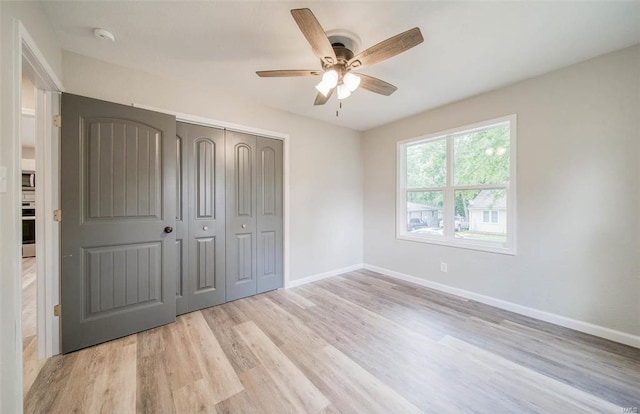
(118, 186)
(182, 214)
(203, 183)
(241, 215)
(269, 215)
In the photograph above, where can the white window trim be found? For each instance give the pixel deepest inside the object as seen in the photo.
(449, 235)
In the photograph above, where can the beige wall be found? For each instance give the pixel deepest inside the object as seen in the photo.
(326, 161)
(31, 16)
(578, 195)
(28, 94)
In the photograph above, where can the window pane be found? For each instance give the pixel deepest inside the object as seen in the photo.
(424, 212)
(482, 157)
(481, 215)
(426, 164)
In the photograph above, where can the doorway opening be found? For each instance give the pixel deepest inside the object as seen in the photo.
(31, 360)
(37, 101)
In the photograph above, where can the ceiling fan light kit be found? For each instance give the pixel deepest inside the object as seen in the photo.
(338, 60)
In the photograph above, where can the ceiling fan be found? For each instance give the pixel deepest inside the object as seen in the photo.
(338, 61)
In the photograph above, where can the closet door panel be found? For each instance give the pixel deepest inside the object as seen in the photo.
(204, 190)
(269, 220)
(241, 200)
(182, 255)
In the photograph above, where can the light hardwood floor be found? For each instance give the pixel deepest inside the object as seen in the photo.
(357, 343)
(30, 364)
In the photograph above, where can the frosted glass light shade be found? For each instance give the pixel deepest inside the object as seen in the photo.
(323, 88)
(328, 82)
(330, 78)
(343, 91)
(351, 81)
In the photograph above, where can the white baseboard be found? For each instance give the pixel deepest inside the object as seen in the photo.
(315, 278)
(586, 327)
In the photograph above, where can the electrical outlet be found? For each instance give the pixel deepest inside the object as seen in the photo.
(443, 267)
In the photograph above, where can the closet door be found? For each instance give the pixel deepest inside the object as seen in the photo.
(269, 223)
(204, 188)
(241, 215)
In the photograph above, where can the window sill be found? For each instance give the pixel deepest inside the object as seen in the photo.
(485, 247)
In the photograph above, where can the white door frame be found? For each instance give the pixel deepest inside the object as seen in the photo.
(29, 58)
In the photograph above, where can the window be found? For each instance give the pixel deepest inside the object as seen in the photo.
(457, 187)
(489, 216)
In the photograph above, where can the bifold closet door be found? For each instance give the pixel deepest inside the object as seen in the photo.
(118, 186)
(241, 203)
(254, 214)
(269, 222)
(202, 244)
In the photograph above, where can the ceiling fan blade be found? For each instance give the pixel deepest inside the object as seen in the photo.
(386, 49)
(376, 85)
(315, 35)
(286, 73)
(321, 99)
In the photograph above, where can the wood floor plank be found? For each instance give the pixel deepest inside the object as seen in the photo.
(31, 364)
(297, 388)
(236, 351)
(210, 359)
(267, 396)
(50, 385)
(282, 325)
(179, 355)
(154, 393)
(195, 398)
(348, 385)
(114, 390)
(238, 403)
(292, 296)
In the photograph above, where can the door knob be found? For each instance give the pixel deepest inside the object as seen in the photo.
(205, 228)
(168, 229)
(244, 226)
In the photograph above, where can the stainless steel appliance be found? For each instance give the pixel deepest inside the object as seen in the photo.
(28, 180)
(28, 223)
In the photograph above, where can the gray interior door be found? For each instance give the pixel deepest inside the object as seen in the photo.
(118, 188)
(269, 221)
(204, 188)
(241, 215)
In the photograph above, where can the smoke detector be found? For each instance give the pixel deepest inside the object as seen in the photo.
(104, 34)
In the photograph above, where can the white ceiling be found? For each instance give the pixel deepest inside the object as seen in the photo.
(470, 47)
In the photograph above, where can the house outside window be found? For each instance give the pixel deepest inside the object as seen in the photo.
(457, 187)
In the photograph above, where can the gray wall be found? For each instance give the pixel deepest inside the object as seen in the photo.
(578, 195)
(326, 160)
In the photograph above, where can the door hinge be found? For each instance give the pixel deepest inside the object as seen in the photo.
(57, 121)
(57, 310)
(57, 215)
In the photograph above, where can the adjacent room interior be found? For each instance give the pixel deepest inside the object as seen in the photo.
(337, 207)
